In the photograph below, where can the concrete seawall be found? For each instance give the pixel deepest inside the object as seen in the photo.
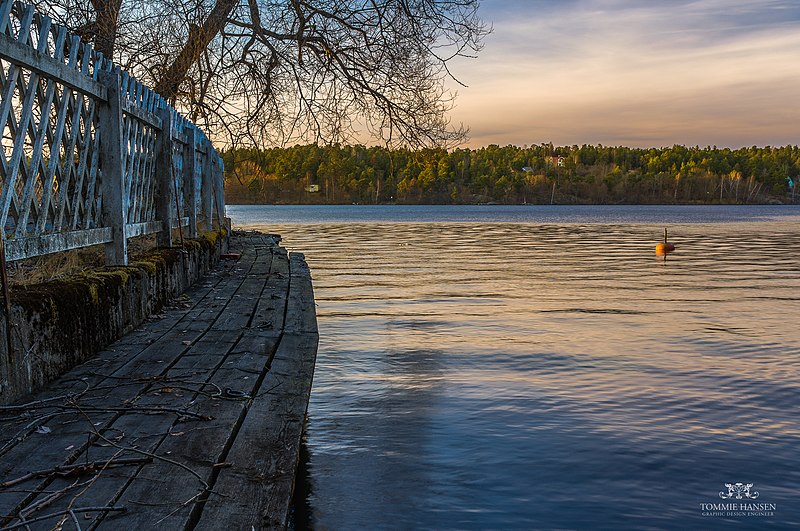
(57, 325)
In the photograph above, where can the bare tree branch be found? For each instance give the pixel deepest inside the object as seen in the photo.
(261, 72)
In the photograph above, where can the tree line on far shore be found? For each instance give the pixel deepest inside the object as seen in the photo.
(541, 174)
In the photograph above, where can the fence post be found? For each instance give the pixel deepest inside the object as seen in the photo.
(219, 189)
(189, 182)
(164, 177)
(207, 187)
(111, 160)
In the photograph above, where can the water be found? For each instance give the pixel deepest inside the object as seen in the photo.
(540, 368)
(259, 215)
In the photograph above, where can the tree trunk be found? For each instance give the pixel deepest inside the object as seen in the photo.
(192, 50)
(107, 15)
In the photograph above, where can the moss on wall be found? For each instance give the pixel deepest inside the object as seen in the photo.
(61, 323)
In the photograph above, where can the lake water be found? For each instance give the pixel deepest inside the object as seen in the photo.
(539, 368)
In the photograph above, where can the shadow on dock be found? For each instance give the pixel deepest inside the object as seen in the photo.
(300, 515)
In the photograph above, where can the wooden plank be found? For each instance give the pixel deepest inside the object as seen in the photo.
(52, 243)
(183, 321)
(270, 312)
(199, 449)
(148, 432)
(163, 178)
(113, 183)
(141, 114)
(185, 331)
(179, 222)
(240, 316)
(301, 315)
(45, 66)
(140, 229)
(266, 450)
(256, 491)
(80, 427)
(126, 358)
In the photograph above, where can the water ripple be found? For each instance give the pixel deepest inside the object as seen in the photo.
(548, 376)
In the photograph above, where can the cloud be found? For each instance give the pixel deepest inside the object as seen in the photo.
(614, 71)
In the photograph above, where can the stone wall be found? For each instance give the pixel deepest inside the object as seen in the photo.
(57, 325)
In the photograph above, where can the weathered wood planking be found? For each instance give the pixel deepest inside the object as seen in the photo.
(265, 454)
(202, 445)
(249, 365)
(178, 326)
(121, 359)
(115, 382)
(164, 355)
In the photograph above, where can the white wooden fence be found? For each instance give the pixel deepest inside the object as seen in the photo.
(90, 155)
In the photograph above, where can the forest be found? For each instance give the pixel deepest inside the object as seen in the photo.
(540, 174)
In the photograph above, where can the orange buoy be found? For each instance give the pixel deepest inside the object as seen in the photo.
(663, 248)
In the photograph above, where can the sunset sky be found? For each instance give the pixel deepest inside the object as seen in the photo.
(639, 73)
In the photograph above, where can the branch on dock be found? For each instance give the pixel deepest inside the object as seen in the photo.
(181, 506)
(139, 379)
(75, 520)
(107, 509)
(86, 486)
(50, 498)
(44, 402)
(22, 434)
(178, 382)
(79, 469)
(154, 456)
(137, 409)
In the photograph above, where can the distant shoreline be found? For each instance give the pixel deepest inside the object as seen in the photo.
(543, 174)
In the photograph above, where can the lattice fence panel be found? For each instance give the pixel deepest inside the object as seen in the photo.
(55, 167)
(48, 165)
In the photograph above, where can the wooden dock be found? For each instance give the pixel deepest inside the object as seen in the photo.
(191, 421)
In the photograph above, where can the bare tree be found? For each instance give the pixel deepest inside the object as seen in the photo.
(269, 71)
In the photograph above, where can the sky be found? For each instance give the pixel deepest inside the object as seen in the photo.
(639, 73)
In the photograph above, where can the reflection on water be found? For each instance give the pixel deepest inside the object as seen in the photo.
(523, 376)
